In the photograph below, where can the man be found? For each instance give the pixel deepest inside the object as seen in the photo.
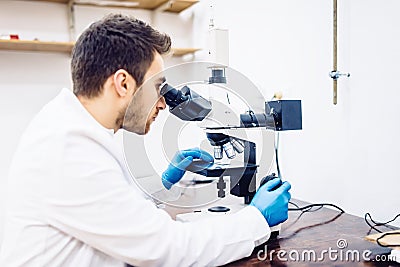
(70, 199)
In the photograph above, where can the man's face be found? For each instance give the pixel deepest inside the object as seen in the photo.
(146, 102)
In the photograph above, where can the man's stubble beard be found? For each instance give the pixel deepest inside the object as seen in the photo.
(130, 119)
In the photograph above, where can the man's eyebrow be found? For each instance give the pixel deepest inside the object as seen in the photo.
(161, 80)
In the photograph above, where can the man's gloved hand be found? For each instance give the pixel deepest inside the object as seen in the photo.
(273, 204)
(181, 161)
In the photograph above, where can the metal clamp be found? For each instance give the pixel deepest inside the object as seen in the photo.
(337, 74)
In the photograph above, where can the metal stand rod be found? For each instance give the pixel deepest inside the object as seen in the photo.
(71, 20)
(334, 50)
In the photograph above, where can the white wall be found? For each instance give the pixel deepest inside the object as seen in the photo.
(346, 154)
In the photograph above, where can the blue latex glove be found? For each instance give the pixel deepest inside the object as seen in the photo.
(180, 162)
(273, 204)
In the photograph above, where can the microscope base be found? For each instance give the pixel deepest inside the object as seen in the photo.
(205, 213)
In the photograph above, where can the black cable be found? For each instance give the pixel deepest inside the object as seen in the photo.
(276, 155)
(294, 204)
(375, 223)
(320, 207)
(303, 211)
(383, 223)
(370, 225)
(307, 208)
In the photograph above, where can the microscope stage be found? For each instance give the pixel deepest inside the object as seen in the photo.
(218, 169)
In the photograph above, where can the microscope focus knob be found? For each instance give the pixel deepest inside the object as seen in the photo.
(269, 178)
(278, 95)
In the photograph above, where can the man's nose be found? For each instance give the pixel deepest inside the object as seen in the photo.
(161, 103)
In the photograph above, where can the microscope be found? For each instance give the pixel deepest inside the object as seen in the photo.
(235, 139)
(243, 141)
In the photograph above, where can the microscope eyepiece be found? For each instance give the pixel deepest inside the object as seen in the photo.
(172, 96)
(186, 104)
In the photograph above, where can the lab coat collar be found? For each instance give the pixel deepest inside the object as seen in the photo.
(69, 96)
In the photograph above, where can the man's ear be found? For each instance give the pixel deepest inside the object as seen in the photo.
(124, 83)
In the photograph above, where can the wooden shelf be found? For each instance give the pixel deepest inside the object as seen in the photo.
(51, 1)
(183, 51)
(174, 6)
(63, 47)
(22, 45)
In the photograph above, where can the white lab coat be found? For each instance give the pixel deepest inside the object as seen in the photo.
(71, 202)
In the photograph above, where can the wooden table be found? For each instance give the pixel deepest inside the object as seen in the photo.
(317, 231)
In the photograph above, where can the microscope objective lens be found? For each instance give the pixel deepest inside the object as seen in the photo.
(218, 152)
(228, 148)
(237, 145)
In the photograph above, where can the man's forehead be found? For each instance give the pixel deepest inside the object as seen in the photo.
(155, 71)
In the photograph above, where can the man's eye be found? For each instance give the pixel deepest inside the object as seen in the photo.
(158, 88)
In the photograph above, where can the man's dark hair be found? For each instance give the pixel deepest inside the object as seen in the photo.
(113, 43)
